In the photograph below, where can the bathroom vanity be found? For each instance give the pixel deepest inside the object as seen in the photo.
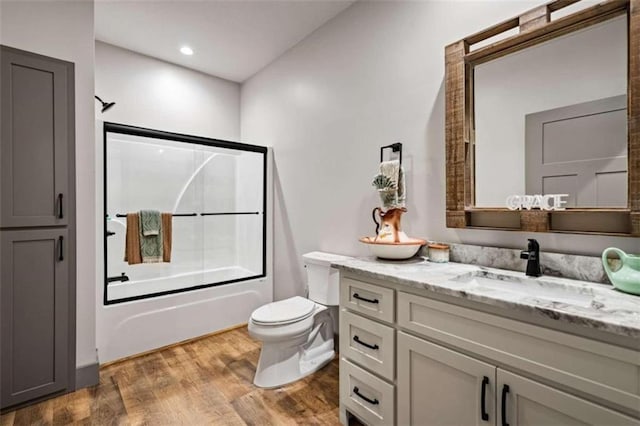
(425, 344)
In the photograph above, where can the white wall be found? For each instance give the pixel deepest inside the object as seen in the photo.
(152, 93)
(508, 88)
(64, 30)
(158, 95)
(371, 76)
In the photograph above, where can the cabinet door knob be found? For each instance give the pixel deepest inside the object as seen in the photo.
(483, 396)
(364, 299)
(370, 401)
(357, 340)
(505, 392)
(60, 213)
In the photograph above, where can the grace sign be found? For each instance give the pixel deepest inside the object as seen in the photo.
(538, 201)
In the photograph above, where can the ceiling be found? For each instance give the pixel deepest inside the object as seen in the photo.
(231, 39)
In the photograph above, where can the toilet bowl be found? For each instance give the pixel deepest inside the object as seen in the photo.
(297, 333)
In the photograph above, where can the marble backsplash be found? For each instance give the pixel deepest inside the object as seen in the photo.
(586, 268)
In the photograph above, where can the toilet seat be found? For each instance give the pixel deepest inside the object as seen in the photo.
(284, 312)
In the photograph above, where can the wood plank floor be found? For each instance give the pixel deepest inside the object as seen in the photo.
(202, 382)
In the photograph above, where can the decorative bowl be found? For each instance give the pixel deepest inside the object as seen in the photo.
(405, 249)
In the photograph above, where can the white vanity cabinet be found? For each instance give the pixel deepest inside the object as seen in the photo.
(409, 359)
(367, 351)
(438, 386)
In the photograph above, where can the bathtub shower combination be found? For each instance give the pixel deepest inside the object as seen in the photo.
(216, 191)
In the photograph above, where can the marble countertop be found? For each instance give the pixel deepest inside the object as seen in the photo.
(587, 304)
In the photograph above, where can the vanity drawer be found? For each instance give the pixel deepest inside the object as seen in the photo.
(367, 299)
(610, 373)
(365, 395)
(368, 343)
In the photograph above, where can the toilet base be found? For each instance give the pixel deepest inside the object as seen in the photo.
(287, 361)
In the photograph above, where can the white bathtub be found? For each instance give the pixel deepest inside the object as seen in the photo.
(173, 279)
(130, 328)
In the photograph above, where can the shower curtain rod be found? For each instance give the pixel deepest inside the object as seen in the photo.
(201, 214)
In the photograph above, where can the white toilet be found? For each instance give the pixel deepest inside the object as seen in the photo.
(297, 333)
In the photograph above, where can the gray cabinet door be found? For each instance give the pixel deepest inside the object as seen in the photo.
(438, 386)
(34, 295)
(524, 402)
(37, 131)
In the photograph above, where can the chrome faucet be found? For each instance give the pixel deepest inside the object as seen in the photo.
(532, 254)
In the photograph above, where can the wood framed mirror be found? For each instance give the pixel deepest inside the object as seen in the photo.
(609, 203)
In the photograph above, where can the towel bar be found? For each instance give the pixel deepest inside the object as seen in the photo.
(395, 147)
(201, 214)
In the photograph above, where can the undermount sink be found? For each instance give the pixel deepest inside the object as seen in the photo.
(537, 288)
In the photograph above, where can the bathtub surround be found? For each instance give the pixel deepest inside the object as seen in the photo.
(216, 189)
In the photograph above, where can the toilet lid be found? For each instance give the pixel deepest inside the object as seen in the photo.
(284, 311)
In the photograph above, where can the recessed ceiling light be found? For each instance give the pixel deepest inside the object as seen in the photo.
(186, 50)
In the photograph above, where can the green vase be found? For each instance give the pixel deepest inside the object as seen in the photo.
(627, 277)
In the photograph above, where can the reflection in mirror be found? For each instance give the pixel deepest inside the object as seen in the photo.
(572, 140)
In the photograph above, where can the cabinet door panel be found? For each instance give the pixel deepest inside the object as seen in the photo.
(36, 136)
(35, 314)
(529, 403)
(438, 386)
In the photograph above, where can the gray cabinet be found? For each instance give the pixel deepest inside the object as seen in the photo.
(37, 227)
(35, 290)
(525, 402)
(37, 130)
(438, 386)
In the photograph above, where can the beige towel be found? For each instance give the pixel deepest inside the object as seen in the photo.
(132, 239)
(167, 222)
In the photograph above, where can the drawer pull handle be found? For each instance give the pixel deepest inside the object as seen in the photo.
(505, 391)
(370, 401)
(357, 340)
(483, 395)
(364, 299)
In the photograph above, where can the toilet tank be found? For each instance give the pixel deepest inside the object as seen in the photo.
(323, 280)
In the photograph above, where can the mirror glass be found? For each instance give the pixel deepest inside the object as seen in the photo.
(552, 119)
